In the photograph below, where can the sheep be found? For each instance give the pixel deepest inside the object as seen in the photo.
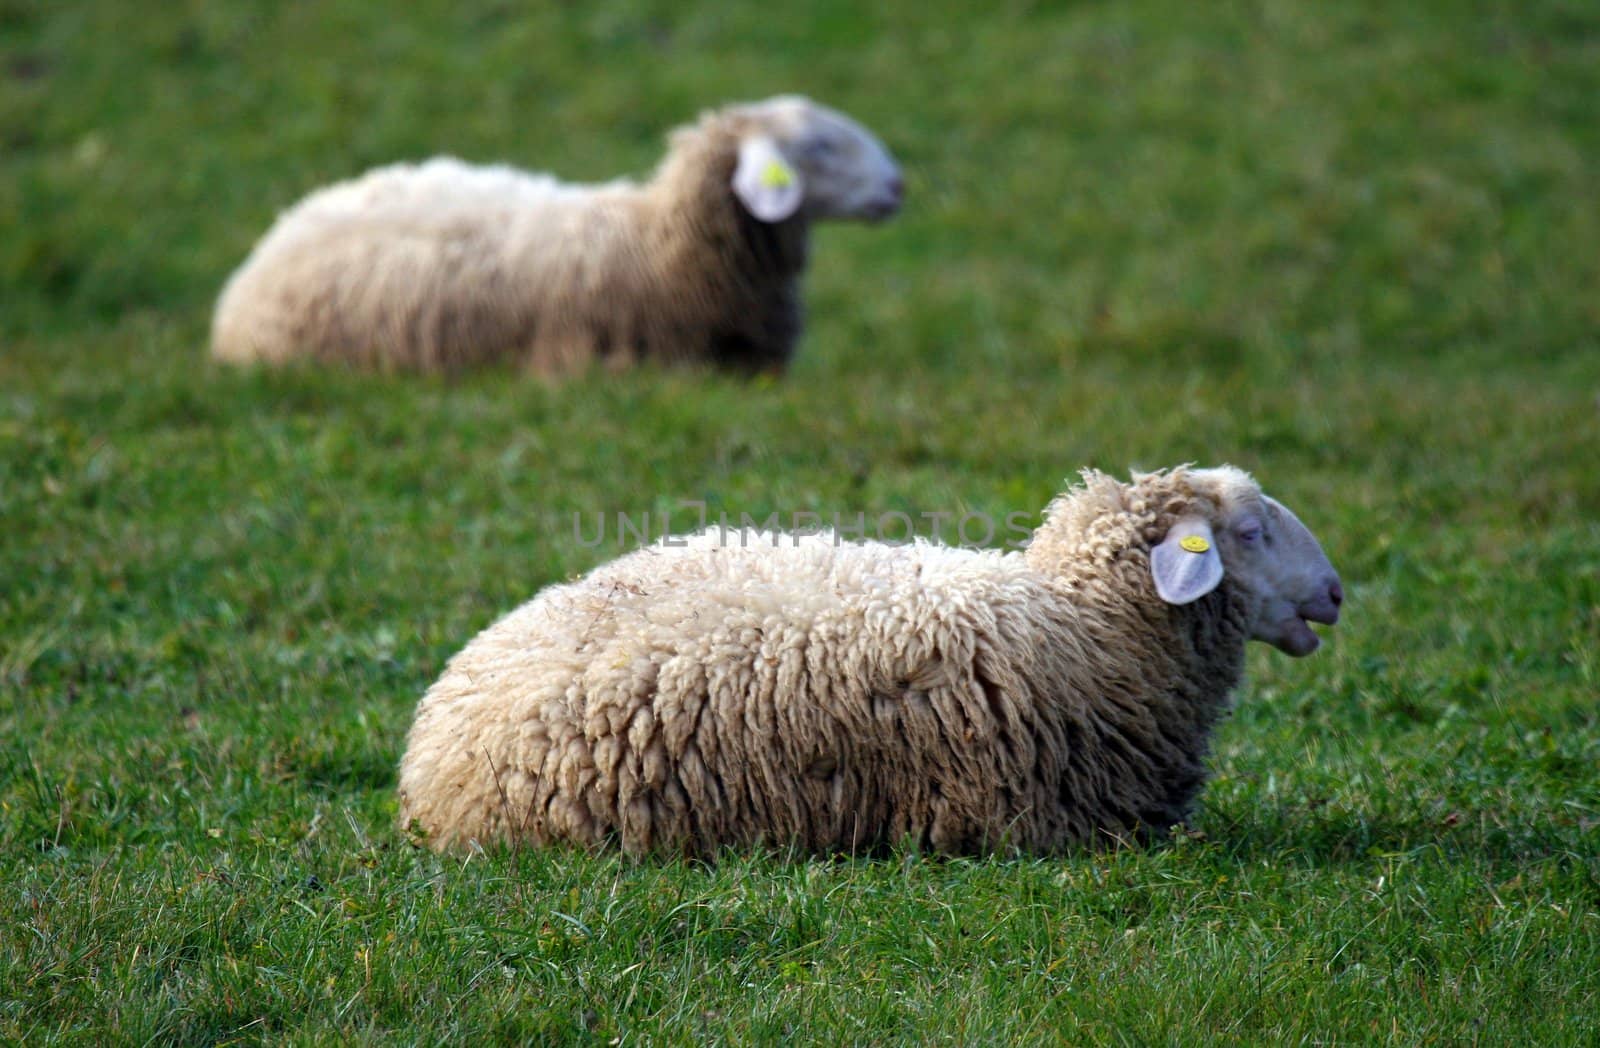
(802, 692)
(443, 266)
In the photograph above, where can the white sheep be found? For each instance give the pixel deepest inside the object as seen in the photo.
(841, 697)
(443, 266)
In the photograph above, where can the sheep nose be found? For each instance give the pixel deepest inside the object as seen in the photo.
(1336, 593)
(897, 186)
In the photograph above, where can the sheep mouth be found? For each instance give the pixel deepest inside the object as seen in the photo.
(879, 208)
(1294, 635)
(1325, 612)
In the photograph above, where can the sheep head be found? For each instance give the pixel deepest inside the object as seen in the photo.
(800, 158)
(1275, 564)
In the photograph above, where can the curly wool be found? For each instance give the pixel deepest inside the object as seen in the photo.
(444, 266)
(840, 697)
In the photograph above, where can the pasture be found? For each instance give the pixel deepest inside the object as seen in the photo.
(1350, 248)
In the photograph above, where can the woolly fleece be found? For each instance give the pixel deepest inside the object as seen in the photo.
(842, 697)
(444, 266)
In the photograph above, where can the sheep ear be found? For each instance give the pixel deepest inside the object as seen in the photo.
(1186, 565)
(764, 182)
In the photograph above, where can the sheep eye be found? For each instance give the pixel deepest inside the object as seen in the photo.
(820, 147)
(1250, 533)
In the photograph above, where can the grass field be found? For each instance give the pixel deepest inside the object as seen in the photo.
(1349, 247)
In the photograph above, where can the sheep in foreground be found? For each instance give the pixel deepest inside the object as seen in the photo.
(442, 266)
(842, 697)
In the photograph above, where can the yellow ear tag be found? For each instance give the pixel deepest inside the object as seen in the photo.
(776, 176)
(1194, 543)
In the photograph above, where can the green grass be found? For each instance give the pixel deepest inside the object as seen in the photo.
(1350, 247)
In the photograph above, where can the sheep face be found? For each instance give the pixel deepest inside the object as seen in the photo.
(1273, 560)
(816, 162)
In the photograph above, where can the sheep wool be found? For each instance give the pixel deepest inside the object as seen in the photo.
(751, 689)
(443, 266)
